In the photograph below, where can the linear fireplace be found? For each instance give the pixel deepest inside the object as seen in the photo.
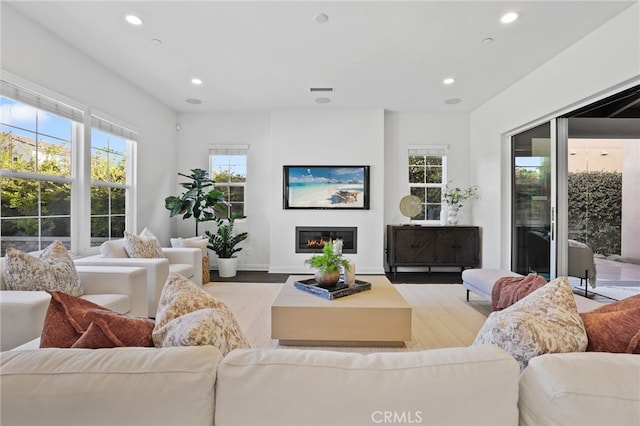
(311, 239)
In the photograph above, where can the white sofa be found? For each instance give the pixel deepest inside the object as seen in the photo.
(185, 261)
(478, 385)
(22, 313)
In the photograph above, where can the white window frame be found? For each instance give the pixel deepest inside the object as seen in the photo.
(24, 91)
(431, 151)
(230, 150)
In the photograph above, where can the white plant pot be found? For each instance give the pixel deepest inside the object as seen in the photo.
(227, 267)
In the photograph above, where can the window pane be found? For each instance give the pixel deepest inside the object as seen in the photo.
(21, 234)
(99, 200)
(18, 149)
(53, 125)
(238, 208)
(54, 156)
(117, 168)
(117, 226)
(416, 174)
(99, 229)
(55, 198)
(420, 193)
(417, 160)
(236, 193)
(434, 161)
(118, 197)
(19, 197)
(434, 195)
(59, 227)
(433, 211)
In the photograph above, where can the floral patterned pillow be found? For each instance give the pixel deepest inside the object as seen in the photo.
(189, 316)
(52, 270)
(545, 321)
(145, 246)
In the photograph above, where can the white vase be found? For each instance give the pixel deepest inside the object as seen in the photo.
(228, 267)
(452, 216)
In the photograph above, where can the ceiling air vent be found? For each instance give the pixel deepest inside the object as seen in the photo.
(321, 89)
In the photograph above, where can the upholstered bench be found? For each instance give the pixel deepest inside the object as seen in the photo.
(481, 281)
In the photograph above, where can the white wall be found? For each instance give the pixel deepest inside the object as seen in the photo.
(197, 133)
(35, 54)
(630, 249)
(603, 62)
(347, 137)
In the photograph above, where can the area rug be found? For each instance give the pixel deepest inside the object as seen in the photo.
(441, 317)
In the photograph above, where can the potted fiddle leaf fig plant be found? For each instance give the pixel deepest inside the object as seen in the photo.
(200, 200)
(224, 244)
(328, 265)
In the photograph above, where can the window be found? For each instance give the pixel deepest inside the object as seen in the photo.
(110, 156)
(41, 186)
(427, 179)
(228, 166)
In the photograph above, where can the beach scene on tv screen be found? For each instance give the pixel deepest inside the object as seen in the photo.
(330, 187)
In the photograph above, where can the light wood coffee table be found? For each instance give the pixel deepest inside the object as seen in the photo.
(377, 317)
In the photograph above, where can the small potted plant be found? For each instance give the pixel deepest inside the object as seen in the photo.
(328, 266)
(224, 242)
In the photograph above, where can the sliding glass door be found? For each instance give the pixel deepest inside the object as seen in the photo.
(533, 201)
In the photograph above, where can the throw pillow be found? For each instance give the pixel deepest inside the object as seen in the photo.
(545, 321)
(52, 270)
(189, 316)
(614, 327)
(194, 242)
(114, 248)
(73, 322)
(145, 246)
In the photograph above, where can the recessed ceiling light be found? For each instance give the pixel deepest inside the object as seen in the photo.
(133, 20)
(509, 17)
(449, 80)
(193, 101)
(320, 18)
(323, 100)
(487, 40)
(453, 101)
(196, 81)
(156, 41)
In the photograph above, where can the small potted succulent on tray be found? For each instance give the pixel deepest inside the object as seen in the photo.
(328, 266)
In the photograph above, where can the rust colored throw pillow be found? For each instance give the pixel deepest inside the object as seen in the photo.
(508, 290)
(72, 322)
(614, 327)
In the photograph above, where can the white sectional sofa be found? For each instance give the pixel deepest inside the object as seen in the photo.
(22, 313)
(477, 385)
(185, 261)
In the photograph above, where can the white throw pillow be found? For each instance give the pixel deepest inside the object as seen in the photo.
(545, 321)
(114, 248)
(194, 242)
(52, 270)
(145, 246)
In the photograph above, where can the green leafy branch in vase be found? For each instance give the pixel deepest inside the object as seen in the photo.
(456, 197)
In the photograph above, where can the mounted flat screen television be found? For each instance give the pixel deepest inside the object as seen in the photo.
(326, 187)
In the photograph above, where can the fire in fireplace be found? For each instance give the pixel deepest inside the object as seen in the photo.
(311, 239)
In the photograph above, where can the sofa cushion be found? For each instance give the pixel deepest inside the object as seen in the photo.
(452, 386)
(144, 246)
(581, 388)
(124, 386)
(76, 322)
(545, 321)
(189, 316)
(51, 270)
(614, 327)
(114, 248)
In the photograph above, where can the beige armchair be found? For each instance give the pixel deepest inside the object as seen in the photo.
(185, 261)
(581, 264)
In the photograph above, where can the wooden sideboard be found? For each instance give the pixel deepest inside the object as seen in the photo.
(433, 246)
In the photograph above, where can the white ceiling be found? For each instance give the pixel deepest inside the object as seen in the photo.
(265, 55)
